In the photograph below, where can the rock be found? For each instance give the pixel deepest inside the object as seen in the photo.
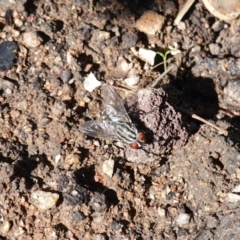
(214, 49)
(18, 22)
(132, 78)
(108, 167)
(5, 227)
(77, 216)
(131, 81)
(72, 159)
(44, 200)
(181, 26)
(31, 39)
(147, 55)
(86, 99)
(91, 82)
(57, 158)
(161, 212)
(66, 75)
(150, 22)
(232, 198)
(196, 49)
(103, 35)
(182, 219)
(7, 55)
(218, 26)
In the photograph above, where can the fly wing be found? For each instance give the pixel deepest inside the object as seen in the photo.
(99, 129)
(113, 105)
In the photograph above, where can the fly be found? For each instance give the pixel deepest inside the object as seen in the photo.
(116, 123)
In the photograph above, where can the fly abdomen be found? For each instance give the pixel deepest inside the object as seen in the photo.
(126, 132)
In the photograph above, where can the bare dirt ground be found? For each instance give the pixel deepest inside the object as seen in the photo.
(57, 183)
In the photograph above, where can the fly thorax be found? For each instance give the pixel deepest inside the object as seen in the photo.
(126, 132)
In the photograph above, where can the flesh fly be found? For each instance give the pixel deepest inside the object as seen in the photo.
(115, 123)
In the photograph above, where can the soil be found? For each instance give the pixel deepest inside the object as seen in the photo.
(57, 183)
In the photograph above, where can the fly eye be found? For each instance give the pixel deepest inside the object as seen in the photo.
(135, 145)
(142, 137)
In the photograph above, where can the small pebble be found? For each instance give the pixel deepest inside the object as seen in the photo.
(44, 200)
(5, 228)
(108, 167)
(72, 159)
(77, 216)
(31, 39)
(96, 143)
(150, 22)
(103, 35)
(147, 55)
(8, 91)
(232, 198)
(181, 26)
(57, 158)
(44, 121)
(132, 78)
(217, 26)
(131, 81)
(91, 82)
(161, 212)
(66, 75)
(87, 99)
(215, 155)
(214, 49)
(18, 22)
(182, 219)
(82, 103)
(115, 29)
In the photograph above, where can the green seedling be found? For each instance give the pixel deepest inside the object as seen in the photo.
(172, 51)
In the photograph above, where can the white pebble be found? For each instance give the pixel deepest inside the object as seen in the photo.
(161, 212)
(6, 226)
(182, 219)
(232, 198)
(44, 200)
(181, 26)
(132, 78)
(147, 55)
(31, 39)
(108, 167)
(57, 158)
(131, 81)
(96, 143)
(91, 82)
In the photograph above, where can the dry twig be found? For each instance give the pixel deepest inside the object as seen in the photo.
(222, 131)
(183, 11)
(161, 76)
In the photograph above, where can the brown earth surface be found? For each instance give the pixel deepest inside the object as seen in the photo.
(57, 183)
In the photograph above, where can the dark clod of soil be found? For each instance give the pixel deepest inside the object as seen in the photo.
(7, 55)
(163, 126)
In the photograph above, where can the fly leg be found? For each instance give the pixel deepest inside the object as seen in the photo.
(140, 113)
